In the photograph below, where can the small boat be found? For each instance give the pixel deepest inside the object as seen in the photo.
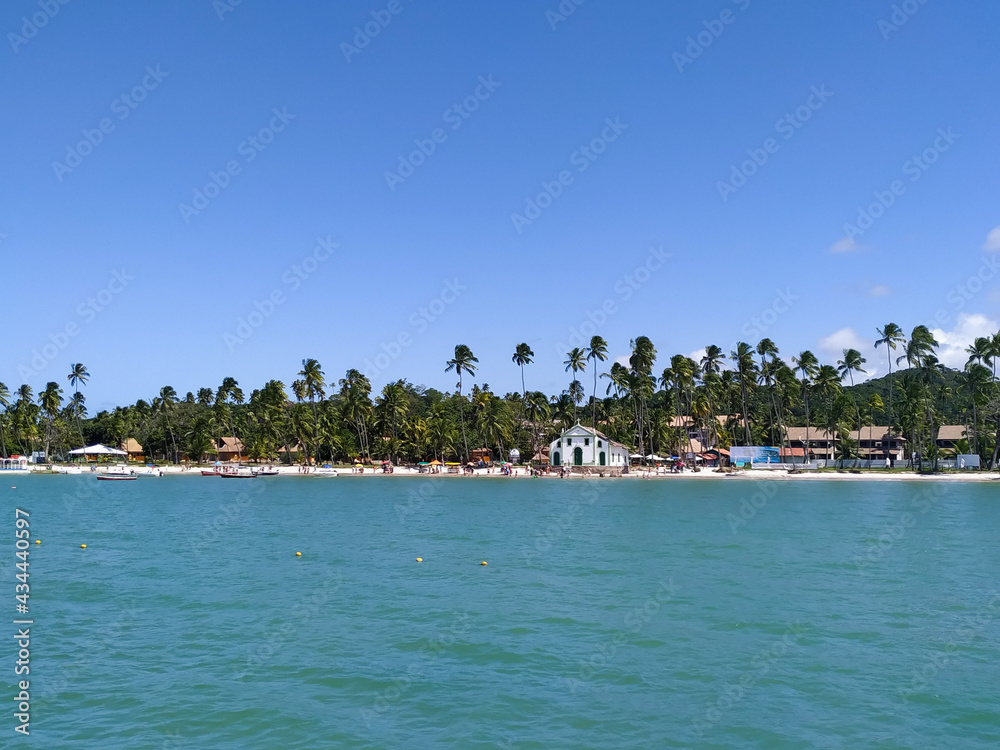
(325, 471)
(267, 471)
(68, 470)
(118, 473)
(215, 471)
(238, 472)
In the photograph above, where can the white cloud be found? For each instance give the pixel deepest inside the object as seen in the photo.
(879, 291)
(845, 338)
(697, 355)
(993, 241)
(623, 360)
(953, 343)
(844, 245)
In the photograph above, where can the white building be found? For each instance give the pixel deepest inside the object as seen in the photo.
(582, 446)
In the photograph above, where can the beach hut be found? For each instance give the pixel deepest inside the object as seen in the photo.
(230, 449)
(134, 450)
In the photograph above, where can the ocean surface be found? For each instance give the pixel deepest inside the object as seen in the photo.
(681, 613)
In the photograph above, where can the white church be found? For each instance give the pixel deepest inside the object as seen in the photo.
(582, 446)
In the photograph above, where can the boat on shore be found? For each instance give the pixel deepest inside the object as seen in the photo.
(116, 478)
(238, 472)
(267, 471)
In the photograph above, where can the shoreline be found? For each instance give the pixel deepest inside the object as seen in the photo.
(521, 473)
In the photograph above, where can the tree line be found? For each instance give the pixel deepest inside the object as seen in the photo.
(321, 419)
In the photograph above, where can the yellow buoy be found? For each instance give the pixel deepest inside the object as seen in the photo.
(83, 546)
(420, 559)
(483, 562)
(38, 541)
(298, 554)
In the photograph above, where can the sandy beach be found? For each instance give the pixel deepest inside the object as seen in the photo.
(840, 475)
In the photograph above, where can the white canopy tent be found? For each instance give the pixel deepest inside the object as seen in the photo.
(97, 450)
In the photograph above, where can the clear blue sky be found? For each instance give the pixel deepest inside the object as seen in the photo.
(550, 92)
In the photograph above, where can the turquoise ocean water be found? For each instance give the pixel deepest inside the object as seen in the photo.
(612, 614)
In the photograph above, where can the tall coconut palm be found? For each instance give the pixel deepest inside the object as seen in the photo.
(313, 378)
(522, 356)
(642, 384)
(597, 352)
(50, 400)
(918, 354)
(746, 371)
(711, 364)
(168, 400)
(850, 364)
(890, 336)
(768, 352)
(577, 362)
(78, 376)
(807, 364)
(465, 362)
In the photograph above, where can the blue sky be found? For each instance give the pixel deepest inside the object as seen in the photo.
(357, 260)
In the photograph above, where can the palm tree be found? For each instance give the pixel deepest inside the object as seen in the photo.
(50, 400)
(313, 380)
(891, 335)
(536, 406)
(598, 352)
(577, 362)
(768, 352)
(78, 376)
(746, 370)
(711, 364)
(463, 362)
(168, 398)
(850, 364)
(641, 380)
(919, 350)
(807, 364)
(522, 356)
